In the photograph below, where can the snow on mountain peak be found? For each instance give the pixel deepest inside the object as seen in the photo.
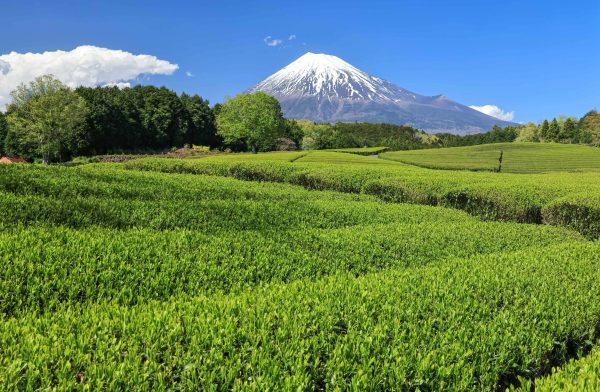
(326, 77)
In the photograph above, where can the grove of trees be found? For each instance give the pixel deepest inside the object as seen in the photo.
(496, 135)
(145, 118)
(563, 129)
(50, 121)
(347, 135)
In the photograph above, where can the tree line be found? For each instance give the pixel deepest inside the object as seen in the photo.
(49, 121)
(316, 136)
(564, 129)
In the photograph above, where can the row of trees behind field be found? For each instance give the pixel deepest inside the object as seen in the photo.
(564, 129)
(48, 121)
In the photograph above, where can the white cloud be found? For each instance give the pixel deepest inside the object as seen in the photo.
(189, 74)
(270, 41)
(291, 37)
(494, 111)
(120, 85)
(82, 66)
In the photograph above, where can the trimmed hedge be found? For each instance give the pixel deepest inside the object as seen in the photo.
(580, 212)
(579, 375)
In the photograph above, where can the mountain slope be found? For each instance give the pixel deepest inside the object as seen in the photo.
(325, 88)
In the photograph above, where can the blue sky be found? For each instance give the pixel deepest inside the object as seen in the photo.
(536, 58)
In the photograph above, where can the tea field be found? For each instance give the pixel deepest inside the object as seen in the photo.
(548, 197)
(297, 271)
(516, 157)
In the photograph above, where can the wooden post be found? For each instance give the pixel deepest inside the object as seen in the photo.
(500, 161)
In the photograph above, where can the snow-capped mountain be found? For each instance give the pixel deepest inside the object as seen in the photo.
(325, 88)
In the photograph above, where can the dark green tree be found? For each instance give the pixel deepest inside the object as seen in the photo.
(589, 128)
(553, 131)
(145, 118)
(294, 132)
(109, 123)
(3, 132)
(217, 109)
(568, 131)
(199, 121)
(161, 115)
(544, 130)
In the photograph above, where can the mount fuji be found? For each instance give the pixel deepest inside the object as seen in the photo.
(325, 88)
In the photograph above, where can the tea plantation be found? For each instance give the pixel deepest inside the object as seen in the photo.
(297, 271)
(516, 157)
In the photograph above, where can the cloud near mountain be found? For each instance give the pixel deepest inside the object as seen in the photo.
(494, 111)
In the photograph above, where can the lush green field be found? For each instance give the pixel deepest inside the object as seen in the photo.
(532, 198)
(516, 157)
(171, 274)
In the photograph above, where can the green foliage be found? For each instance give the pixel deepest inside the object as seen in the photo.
(454, 325)
(528, 133)
(579, 375)
(200, 128)
(545, 130)
(145, 118)
(355, 135)
(3, 131)
(562, 130)
(254, 120)
(45, 120)
(553, 133)
(579, 211)
(496, 135)
(568, 131)
(294, 131)
(589, 128)
(363, 151)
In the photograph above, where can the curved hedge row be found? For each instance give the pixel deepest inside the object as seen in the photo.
(44, 267)
(491, 196)
(361, 151)
(581, 375)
